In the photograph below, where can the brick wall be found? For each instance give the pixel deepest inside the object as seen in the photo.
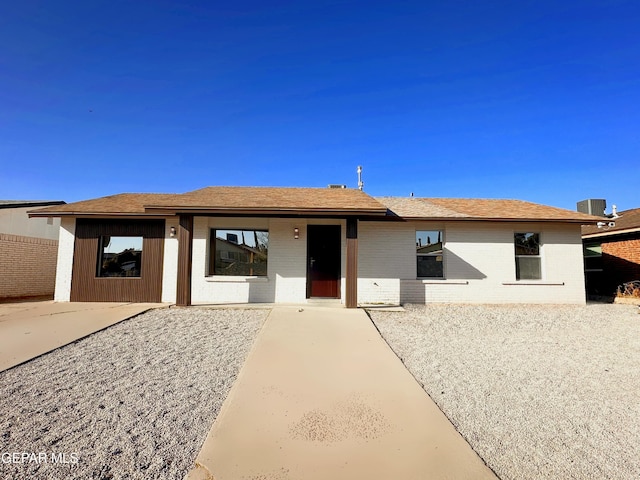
(620, 262)
(479, 264)
(27, 266)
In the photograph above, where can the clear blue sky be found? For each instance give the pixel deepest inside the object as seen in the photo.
(536, 100)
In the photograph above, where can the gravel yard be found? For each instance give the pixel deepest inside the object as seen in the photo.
(540, 392)
(134, 401)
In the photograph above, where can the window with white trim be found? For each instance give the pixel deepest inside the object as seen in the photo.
(429, 253)
(528, 259)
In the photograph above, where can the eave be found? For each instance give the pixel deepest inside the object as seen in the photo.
(611, 233)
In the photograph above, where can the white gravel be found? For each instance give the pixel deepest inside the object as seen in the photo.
(540, 392)
(134, 401)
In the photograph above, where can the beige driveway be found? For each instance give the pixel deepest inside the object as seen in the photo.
(29, 329)
(321, 396)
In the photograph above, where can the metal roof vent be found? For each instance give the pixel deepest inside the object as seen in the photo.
(593, 206)
(336, 185)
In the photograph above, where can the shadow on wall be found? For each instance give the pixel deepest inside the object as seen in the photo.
(460, 269)
(615, 271)
(415, 291)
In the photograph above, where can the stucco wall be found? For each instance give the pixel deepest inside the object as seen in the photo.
(479, 264)
(27, 266)
(16, 221)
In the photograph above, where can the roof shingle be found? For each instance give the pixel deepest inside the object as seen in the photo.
(626, 220)
(480, 209)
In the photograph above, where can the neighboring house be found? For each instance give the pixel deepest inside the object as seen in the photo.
(293, 245)
(612, 252)
(28, 250)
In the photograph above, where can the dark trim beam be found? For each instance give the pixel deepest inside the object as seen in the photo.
(351, 300)
(185, 254)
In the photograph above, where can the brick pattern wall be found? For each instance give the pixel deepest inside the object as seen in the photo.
(620, 262)
(479, 263)
(27, 266)
(286, 280)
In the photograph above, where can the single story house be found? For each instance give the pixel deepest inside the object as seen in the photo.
(296, 245)
(612, 252)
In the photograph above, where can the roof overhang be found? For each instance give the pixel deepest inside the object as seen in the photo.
(265, 212)
(611, 233)
(497, 219)
(222, 212)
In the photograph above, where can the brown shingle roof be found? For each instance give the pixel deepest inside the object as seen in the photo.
(318, 201)
(626, 220)
(274, 199)
(480, 209)
(227, 199)
(124, 203)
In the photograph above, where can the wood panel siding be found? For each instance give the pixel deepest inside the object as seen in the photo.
(185, 255)
(351, 300)
(86, 286)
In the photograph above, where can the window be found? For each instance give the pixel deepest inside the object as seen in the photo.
(429, 253)
(119, 256)
(593, 257)
(528, 260)
(238, 252)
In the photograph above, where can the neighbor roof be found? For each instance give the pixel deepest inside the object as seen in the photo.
(28, 203)
(627, 221)
(480, 209)
(225, 200)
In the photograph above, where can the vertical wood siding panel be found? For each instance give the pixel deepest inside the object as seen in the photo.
(87, 287)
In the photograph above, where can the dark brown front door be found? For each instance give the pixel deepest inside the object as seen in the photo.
(323, 261)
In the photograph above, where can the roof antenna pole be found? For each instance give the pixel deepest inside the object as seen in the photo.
(360, 182)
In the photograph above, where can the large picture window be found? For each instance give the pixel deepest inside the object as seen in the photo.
(429, 253)
(119, 256)
(528, 260)
(238, 252)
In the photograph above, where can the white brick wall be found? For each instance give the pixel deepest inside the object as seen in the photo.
(286, 267)
(170, 267)
(66, 242)
(226, 289)
(479, 264)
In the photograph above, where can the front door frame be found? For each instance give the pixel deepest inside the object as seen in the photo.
(335, 229)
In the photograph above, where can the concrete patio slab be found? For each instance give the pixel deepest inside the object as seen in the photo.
(322, 396)
(30, 329)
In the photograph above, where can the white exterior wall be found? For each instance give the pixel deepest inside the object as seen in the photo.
(170, 266)
(479, 264)
(66, 243)
(286, 280)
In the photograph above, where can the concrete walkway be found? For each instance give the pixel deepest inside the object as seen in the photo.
(321, 396)
(29, 329)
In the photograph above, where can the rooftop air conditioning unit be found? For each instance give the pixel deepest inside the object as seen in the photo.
(335, 185)
(593, 206)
